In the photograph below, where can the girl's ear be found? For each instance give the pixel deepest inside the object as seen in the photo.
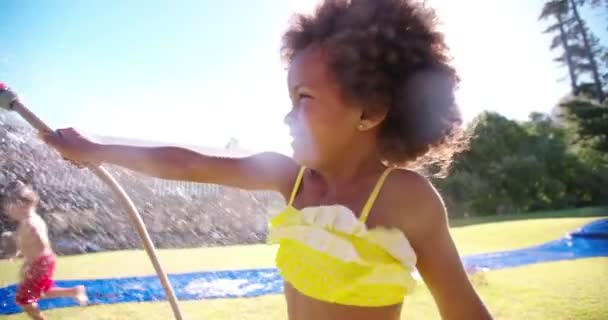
(371, 118)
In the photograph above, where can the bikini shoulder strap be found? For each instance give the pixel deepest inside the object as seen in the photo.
(296, 185)
(372, 197)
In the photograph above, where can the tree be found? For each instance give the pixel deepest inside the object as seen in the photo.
(603, 56)
(518, 167)
(588, 119)
(582, 52)
(558, 9)
(590, 48)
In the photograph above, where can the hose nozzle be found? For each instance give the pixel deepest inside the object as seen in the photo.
(7, 97)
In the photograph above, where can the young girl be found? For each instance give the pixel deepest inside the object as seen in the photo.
(372, 91)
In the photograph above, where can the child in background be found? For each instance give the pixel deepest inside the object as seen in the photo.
(33, 245)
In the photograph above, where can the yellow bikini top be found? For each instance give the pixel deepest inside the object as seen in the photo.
(329, 254)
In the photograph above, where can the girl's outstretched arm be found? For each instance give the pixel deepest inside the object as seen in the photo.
(263, 171)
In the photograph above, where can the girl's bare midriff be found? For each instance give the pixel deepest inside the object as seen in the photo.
(301, 307)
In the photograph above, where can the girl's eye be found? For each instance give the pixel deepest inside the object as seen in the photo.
(303, 96)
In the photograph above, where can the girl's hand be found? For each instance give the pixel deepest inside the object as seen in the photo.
(72, 145)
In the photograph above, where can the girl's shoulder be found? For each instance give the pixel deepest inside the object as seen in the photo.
(409, 201)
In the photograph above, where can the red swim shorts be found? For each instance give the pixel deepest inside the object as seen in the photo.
(37, 280)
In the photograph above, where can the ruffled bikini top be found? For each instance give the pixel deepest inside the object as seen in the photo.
(327, 253)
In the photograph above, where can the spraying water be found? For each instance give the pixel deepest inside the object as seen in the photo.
(83, 216)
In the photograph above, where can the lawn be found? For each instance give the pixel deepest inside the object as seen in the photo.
(556, 290)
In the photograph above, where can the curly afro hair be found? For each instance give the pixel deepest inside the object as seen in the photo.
(388, 55)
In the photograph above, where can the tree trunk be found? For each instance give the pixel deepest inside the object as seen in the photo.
(589, 51)
(569, 63)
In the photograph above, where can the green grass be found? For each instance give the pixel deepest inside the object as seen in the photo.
(566, 213)
(559, 290)
(510, 235)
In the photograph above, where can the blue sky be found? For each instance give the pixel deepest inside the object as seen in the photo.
(200, 72)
